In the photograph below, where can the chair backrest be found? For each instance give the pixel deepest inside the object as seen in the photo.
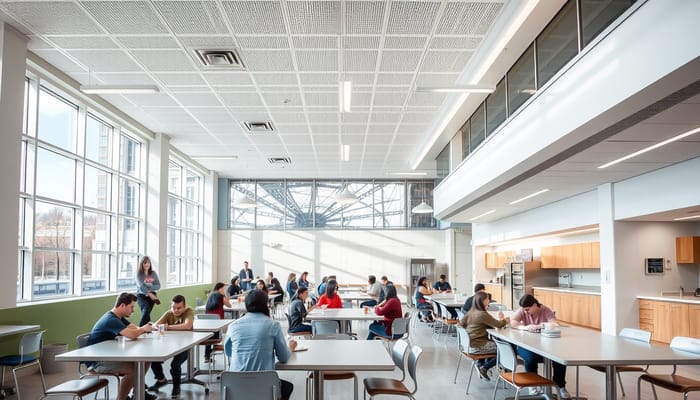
(30, 343)
(636, 334)
(398, 355)
(463, 339)
(506, 356)
(436, 308)
(206, 316)
(413, 358)
(289, 321)
(688, 344)
(258, 385)
(324, 327)
(495, 307)
(198, 301)
(82, 339)
(400, 326)
(347, 304)
(333, 336)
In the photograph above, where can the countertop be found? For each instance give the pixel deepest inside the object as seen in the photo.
(579, 290)
(689, 299)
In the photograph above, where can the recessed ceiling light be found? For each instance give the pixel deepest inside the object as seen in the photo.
(529, 196)
(118, 89)
(684, 218)
(344, 96)
(483, 215)
(652, 147)
(407, 173)
(345, 152)
(215, 157)
(457, 89)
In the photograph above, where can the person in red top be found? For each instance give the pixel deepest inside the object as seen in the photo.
(215, 305)
(331, 297)
(390, 309)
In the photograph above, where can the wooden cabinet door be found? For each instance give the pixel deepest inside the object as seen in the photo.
(595, 255)
(670, 319)
(694, 321)
(548, 257)
(595, 314)
(576, 254)
(544, 297)
(688, 250)
(496, 292)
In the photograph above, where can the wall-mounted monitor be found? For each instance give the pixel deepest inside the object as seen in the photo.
(654, 266)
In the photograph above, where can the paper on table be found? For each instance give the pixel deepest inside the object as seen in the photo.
(301, 347)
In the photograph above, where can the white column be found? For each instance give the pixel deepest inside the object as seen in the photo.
(13, 56)
(608, 277)
(157, 204)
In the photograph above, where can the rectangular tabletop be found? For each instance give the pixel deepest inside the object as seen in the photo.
(235, 307)
(342, 314)
(210, 325)
(448, 300)
(8, 330)
(350, 296)
(339, 355)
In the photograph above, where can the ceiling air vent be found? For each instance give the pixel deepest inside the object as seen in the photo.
(219, 59)
(279, 160)
(258, 126)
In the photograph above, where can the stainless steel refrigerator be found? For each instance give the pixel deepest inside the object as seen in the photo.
(418, 267)
(521, 277)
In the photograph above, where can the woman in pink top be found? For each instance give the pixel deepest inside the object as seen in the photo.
(390, 309)
(331, 297)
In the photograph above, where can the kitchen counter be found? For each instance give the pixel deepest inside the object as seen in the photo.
(688, 299)
(579, 290)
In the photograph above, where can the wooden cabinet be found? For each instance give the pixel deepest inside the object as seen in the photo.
(667, 319)
(491, 260)
(577, 255)
(497, 259)
(496, 291)
(688, 250)
(574, 308)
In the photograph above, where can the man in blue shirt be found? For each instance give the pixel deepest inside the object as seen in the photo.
(255, 339)
(442, 286)
(112, 324)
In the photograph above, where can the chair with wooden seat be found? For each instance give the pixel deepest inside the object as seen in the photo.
(258, 385)
(289, 324)
(447, 319)
(395, 387)
(463, 341)
(28, 355)
(215, 343)
(631, 334)
(674, 382)
(333, 375)
(78, 388)
(400, 329)
(84, 371)
(507, 363)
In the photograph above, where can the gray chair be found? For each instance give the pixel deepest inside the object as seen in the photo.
(674, 382)
(324, 327)
(84, 371)
(395, 387)
(463, 345)
(258, 385)
(217, 346)
(289, 324)
(631, 334)
(78, 388)
(399, 326)
(507, 363)
(28, 355)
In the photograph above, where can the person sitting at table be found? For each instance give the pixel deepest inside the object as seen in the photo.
(275, 287)
(423, 289)
(479, 287)
(304, 280)
(384, 281)
(178, 318)
(112, 324)
(476, 322)
(331, 298)
(373, 289)
(442, 286)
(254, 340)
(215, 305)
(390, 309)
(260, 285)
(530, 317)
(268, 278)
(234, 288)
(321, 289)
(292, 284)
(298, 311)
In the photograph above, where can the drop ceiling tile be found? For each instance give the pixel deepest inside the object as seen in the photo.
(445, 61)
(37, 43)
(428, 79)
(263, 42)
(175, 79)
(289, 140)
(353, 140)
(152, 100)
(255, 17)
(354, 118)
(164, 60)
(420, 99)
(359, 60)
(266, 140)
(455, 42)
(321, 99)
(465, 18)
(192, 17)
(410, 140)
(374, 140)
(354, 129)
(314, 17)
(417, 118)
(412, 17)
(385, 118)
(275, 79)
(60, 61)
(394, 79)
(289, 118)
(405, 42)
(400, 61)
(359, 79)
(197, 99)
(381, 129)
(207, 42)
(315, 42)
(268, 60)
(413, 129)
(361, 42)
(248, 99)
(60, 18)
(321, 118)
(105, 61)
(228, 78)
(282, 99)
(360, 100)
(132, 17)
(148, 42)
(364, 17)
(389, 99)
(83, 42)
(288, 129)
(318, 79)
(188, 89)
(327, 140)
(324, 129)
(317, 60)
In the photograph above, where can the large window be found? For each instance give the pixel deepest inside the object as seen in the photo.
(81, 218)
(185, 220)
(314, 205)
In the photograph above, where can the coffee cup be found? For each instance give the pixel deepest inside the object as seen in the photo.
(121, 340)
(548, 326)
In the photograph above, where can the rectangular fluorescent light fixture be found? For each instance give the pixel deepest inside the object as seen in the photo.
(684, 218)
(457, 89)
(118, 89)
(529, 196)
(652, 147)
(345, 152)
(344, 96)
(407, 173)
(483, 215)
(214, 157)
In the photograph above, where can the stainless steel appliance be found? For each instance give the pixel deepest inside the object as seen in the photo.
(521, 277)
(419, 267)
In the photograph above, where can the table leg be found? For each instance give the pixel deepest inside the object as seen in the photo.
(139, 379)
(318, 385)
(610, 382)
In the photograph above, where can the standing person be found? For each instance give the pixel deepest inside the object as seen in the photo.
(530, 317)
(112, 324)
(423, 289)
(476, 322)
(215, 305)
(255, 339)
(246, 276)
(331, 298)
(147, 286)
(234, 288)
(373, 289)
(390, 309)
(178, 318)
(292, 284)
(298, 311)
(479, 287)
(304, 280)
(442, 286)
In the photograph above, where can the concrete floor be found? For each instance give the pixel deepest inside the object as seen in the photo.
(436, 372)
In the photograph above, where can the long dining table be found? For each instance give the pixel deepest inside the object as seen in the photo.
(583, 347)
(147, 348)
(342, 314)
(337, 355)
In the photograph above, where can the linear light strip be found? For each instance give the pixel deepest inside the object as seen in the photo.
(344, 96)
(529, 196)
(345, 152)
(457, 89)
(118, 89)
(684, 218)
(652, 147)
(483, 215)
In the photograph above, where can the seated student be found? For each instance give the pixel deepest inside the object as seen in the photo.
(292, 284)
(298, 311)
(530, 317)
(112, 324)
(382, 293)
(476, 322)
(304, 280)
(321, 289)
(442, 286)
(479, 287)
(234, 288)
(254, 340)
(215, 305)
(260, 285)
(390, 309)
(275, 287)
(373, 289)
(331, 298)
(178, 318)
(423, 289)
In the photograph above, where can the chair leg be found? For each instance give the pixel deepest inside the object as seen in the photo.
(619, 379)
(471, 373)
(639, 384)
(495, 388)
(355, 387)
(459, 361)
(653, 389)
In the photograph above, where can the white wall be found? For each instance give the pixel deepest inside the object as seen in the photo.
(351, 255)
